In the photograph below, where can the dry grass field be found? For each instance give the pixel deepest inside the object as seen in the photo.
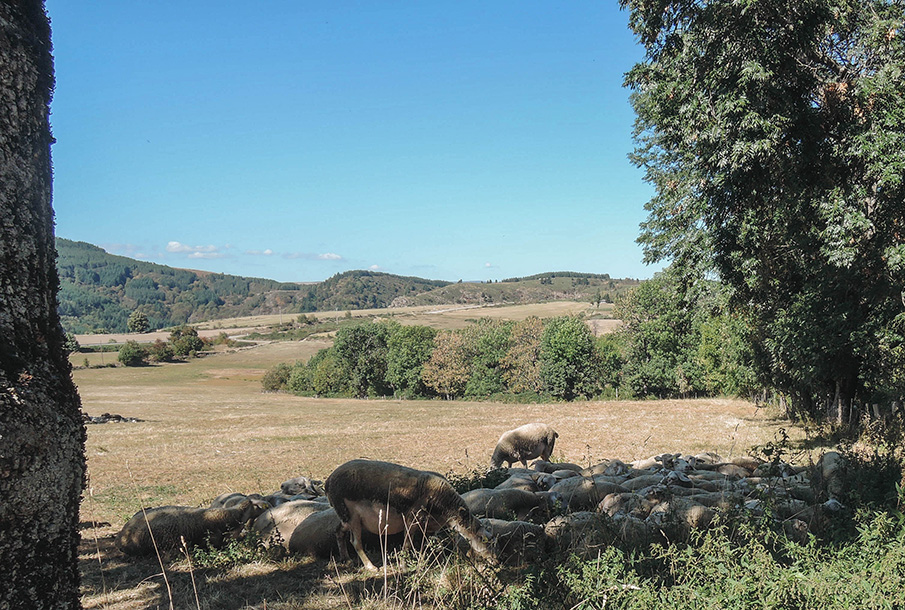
(435, 316)
(209, 429)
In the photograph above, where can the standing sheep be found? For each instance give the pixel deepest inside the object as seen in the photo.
(384, 498)
(165, 526)
(524, 443)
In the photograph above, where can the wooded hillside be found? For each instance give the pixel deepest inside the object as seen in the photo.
(98, 291)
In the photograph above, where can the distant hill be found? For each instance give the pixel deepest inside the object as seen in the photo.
(98, 291)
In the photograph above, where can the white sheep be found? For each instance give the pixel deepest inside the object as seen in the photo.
(275, 526)
(384, 498)
(165, 527)
(316, 535)
(538, 481)
(524, 443)
(585, 493)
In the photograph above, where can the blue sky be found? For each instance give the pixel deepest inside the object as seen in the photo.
(295, 140)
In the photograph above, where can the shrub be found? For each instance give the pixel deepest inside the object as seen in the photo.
(275, 379)
(132, 354)
(299, 379)
(160, 351)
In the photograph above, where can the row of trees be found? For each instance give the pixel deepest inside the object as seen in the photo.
(673, 343)
(183, 342)
(555, 357)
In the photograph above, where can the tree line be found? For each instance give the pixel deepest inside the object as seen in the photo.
(667, 347)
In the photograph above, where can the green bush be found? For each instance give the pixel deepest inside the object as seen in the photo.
(275, 378)
(160, 351)
(132, 354)
(299, 381)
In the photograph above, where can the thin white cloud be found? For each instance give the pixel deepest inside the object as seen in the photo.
(267, 252)
(180, 248)
(328, 256)
(195, 252)
(374, 267)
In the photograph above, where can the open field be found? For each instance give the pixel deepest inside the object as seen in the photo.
(435, 316)
(209, 429)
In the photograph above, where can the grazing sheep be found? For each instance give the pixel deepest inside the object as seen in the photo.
(165, 526)
(524, 443)
(275, 526)
(385, 498)
(511, 503)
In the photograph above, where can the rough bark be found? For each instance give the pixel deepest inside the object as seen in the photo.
(42, 438)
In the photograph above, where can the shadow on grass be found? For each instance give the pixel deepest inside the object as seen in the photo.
(114, 581)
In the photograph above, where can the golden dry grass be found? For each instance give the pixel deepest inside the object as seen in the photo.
(209, 429)
(435, 316)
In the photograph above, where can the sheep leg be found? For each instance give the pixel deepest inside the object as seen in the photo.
(341, 542)
(355, 530)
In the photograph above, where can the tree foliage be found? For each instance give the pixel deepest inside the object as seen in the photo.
(446, 371)
(681, 339)
(486, 345)
(521, 364)
(568, 361)
(362, 352)
(773, 132)
(138, 322)
(408, 349)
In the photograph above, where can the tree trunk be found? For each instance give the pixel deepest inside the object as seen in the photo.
(42, 438)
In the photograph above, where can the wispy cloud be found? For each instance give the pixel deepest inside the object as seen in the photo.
(195, 252)
(180, 248)
(327, 256)
(267, 252)
(374, 268)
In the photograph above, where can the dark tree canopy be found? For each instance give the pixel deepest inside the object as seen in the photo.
(774, 134)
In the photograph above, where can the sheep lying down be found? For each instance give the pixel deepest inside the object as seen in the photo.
(384, 498)
(165, 527)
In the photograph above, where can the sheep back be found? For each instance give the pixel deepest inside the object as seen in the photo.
(170, 524)
(524, 443)
(405, 490)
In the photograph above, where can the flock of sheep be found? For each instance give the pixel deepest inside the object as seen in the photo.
(549, 508)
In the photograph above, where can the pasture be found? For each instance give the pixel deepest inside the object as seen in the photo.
(209, 429)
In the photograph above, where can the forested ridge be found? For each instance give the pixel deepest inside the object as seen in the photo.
(99, 291)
